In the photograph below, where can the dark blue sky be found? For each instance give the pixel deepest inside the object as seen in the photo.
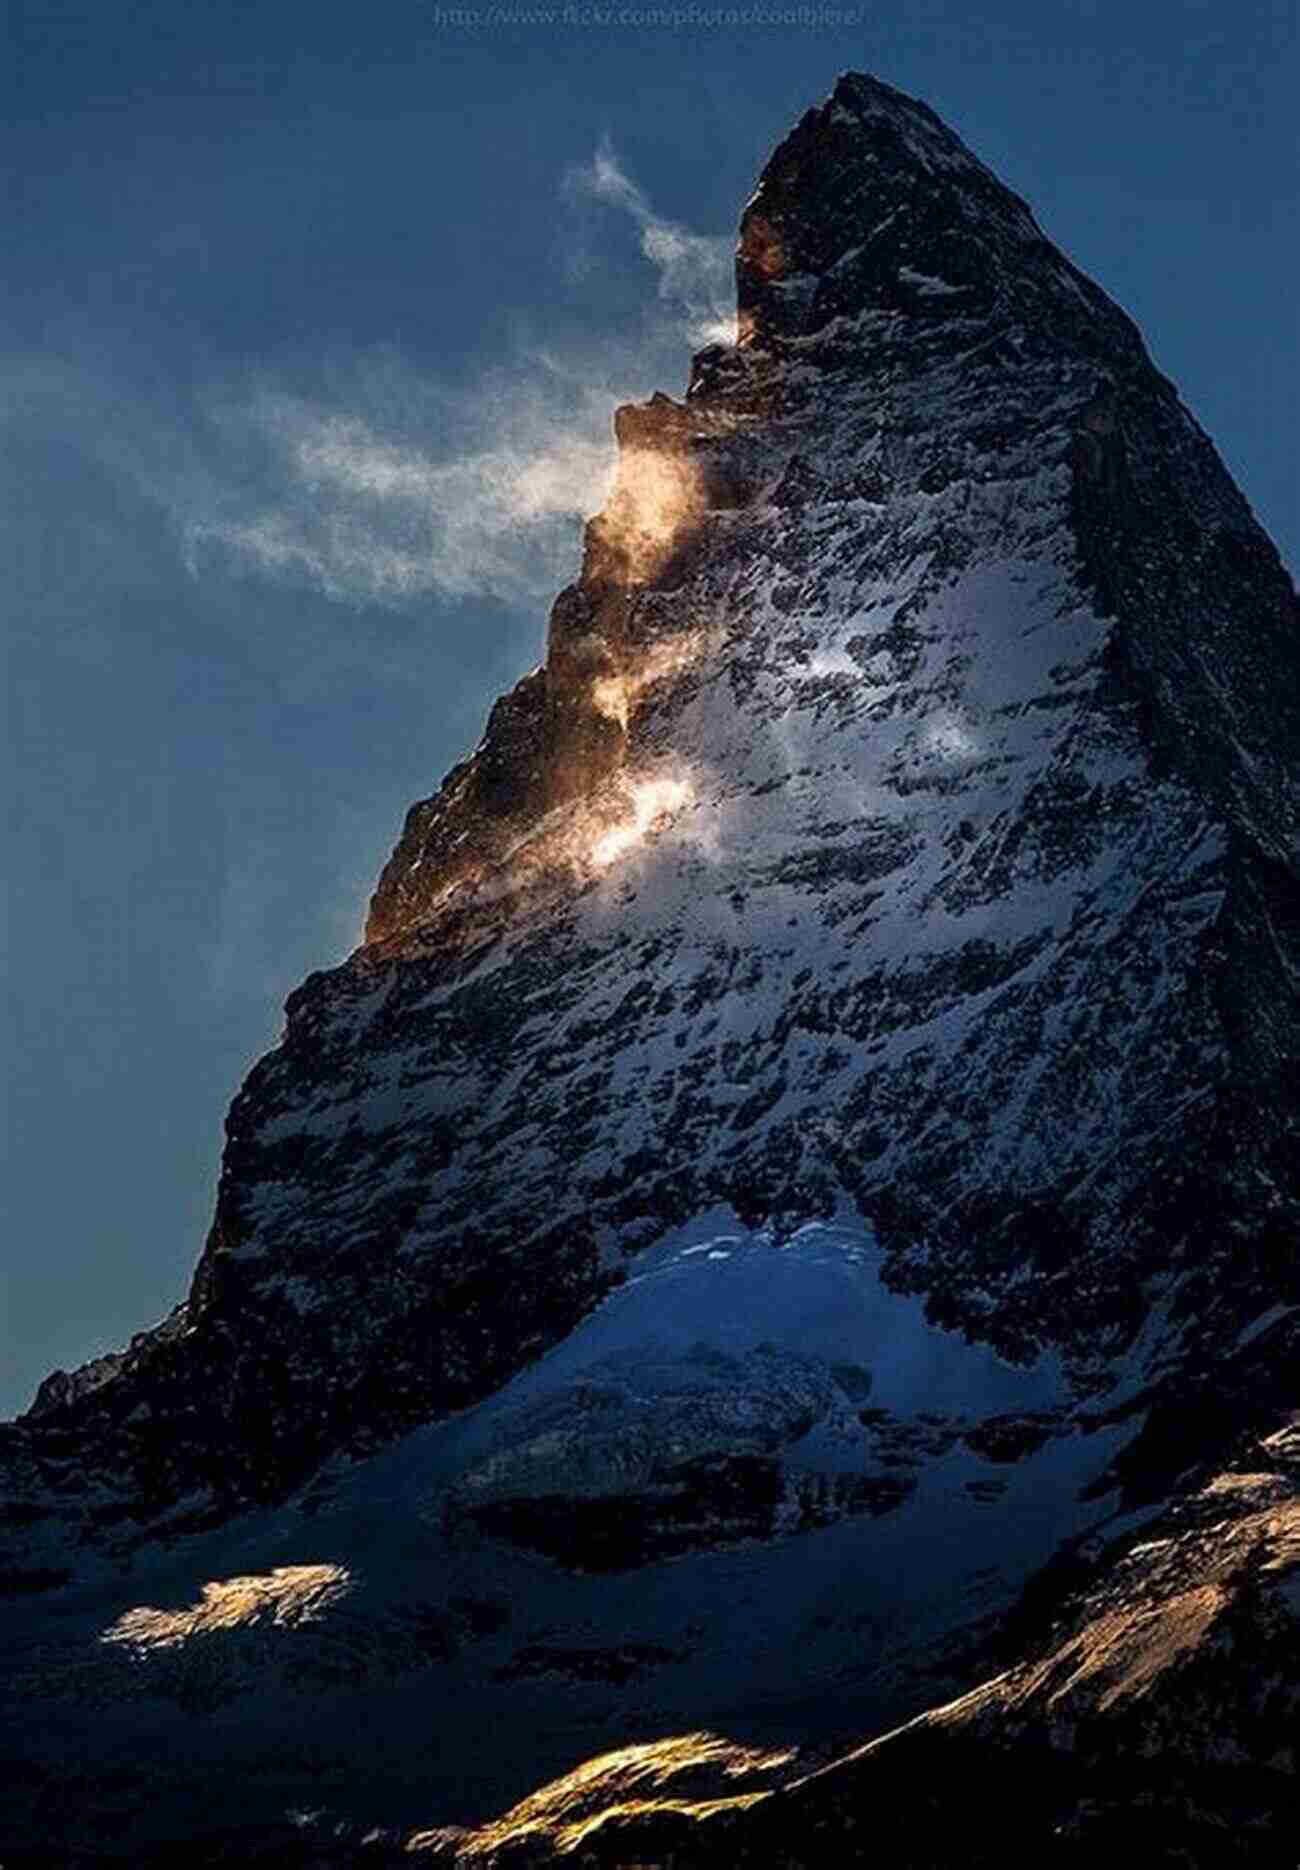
(314, 319)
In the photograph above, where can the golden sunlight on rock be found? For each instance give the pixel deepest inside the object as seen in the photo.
(615, 696)
(651, 803)
(761, 245)
(1123, 1653)
(691, 1774)
(1124, 1650)
(291, 1594)
(655, 496)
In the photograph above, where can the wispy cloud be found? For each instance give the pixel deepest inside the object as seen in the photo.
(388, 486)
(369, 515)
(695, 270)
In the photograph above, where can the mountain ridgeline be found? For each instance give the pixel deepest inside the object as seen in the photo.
(778, 1254)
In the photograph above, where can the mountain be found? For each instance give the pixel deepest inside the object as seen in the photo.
(778, 1254)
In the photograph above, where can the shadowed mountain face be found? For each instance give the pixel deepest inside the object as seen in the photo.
(801, 1172)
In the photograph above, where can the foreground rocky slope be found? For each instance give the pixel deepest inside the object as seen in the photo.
(1158, 1718)
(805, 1156)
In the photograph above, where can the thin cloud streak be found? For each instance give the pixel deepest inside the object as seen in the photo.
(695, 270)
(396, 489)
(370, 517)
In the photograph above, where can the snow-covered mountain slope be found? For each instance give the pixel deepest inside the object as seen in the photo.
(1155, 1720)
(842, 1020)
(663, 1524)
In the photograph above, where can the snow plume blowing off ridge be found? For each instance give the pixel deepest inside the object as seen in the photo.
(394, 488)
(695, 270)
(370, 514)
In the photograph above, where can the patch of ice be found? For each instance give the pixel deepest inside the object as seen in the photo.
(926, 285)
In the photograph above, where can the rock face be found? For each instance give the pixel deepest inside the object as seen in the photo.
(1157, 1719)
(807, 1150)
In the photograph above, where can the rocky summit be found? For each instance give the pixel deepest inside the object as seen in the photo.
(753, 1321)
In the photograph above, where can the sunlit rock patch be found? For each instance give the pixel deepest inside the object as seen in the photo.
(288, 1596)
(693, 1775)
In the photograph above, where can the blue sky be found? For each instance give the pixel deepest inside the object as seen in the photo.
(315, 319)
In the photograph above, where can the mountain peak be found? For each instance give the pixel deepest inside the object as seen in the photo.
(805, 1160)
(872, 205)
(876, 244)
